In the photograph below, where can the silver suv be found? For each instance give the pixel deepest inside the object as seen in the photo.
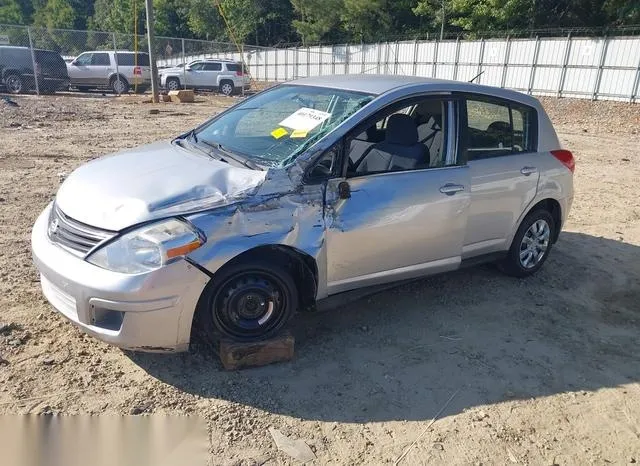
(308, 189)
(226, 76)
(119, 71)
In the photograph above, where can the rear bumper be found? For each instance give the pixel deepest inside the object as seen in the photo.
(148, 312)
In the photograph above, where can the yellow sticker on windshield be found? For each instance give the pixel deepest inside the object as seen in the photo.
(279, 132)
(299, 133)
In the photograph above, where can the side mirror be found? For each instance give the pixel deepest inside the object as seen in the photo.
(344, 190)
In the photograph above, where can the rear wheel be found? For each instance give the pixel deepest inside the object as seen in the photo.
(226, 87)
(14, 83)
(173, 84)
(531, 244)
(250, 301)
(119, 85)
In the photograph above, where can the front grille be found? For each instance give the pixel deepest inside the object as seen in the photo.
(75, 236)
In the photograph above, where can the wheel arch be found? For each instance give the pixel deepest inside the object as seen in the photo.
(114, 76)
(549, 204)
(302, 266)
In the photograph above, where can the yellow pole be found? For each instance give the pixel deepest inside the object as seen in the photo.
(135, 44)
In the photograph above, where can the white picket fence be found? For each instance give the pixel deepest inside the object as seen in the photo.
(593, 68)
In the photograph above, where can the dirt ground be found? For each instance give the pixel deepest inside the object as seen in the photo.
(542, 371)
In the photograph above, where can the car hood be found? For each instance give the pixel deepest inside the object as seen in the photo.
(153, 181)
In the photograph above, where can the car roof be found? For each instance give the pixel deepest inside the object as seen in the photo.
(380, 84)
(225, 60)
(111, 51)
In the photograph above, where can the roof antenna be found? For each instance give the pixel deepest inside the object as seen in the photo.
(476, 76)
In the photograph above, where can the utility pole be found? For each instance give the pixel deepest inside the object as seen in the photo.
(152, 53)
(442, 25)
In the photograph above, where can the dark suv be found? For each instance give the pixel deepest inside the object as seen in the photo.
(16, 70)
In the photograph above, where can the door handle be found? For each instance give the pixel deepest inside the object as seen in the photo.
(526, 171)
(450, 189)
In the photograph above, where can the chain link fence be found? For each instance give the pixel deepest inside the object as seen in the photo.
(606, 67)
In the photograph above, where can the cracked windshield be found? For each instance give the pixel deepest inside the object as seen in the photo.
(275, 127)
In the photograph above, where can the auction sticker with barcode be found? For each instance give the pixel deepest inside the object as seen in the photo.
(305, 119)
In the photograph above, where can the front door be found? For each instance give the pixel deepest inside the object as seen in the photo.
(80, 70)
(399, 213)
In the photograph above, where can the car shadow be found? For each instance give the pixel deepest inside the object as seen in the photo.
(401, 354)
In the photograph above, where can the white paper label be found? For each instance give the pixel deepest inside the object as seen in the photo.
(305, 119)
(4, 39)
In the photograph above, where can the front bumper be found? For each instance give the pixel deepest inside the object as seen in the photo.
(152, 311)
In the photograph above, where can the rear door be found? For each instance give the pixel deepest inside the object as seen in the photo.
(500, 143)
(210, 74)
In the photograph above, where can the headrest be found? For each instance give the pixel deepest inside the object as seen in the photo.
(402, 130)
(374, 134)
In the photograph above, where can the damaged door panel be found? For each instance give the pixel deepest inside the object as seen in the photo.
(394, 226)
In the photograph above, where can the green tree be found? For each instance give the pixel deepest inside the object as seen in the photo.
(10, 12)
(204, 20)
(623, 12)
(490, 15)
(366, 20)
(55, 14)
(172, 18)
(319, 19)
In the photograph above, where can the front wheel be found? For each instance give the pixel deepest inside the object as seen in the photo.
(173, 84)
(531, 245)
(14, 83)
(250, 301)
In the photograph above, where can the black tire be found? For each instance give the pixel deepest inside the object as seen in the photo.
(173, 84)
(248, 301)
(119, 86)
(83, 88)
(226, 87)
(523, 258)
(14, 83)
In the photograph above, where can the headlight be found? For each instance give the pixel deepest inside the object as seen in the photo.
(148, 248)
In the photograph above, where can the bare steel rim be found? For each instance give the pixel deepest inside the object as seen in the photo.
(14, 84)
(173, 85)
(535, 244)
(226, 88)
(251, 304)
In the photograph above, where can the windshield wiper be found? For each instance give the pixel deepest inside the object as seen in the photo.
(237, 158)
(192, 140)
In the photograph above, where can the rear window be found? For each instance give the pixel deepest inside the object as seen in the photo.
(236, 67)
(128, 59)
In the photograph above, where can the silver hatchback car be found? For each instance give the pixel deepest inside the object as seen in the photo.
(306, 190)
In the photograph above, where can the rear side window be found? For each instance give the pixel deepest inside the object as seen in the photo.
(15, 57)
(100, 59)
(235, 67)
(213, 66)
(497, 128)
(129, 59)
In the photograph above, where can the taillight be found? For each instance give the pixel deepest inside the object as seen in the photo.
(239, 73)
(137, 71)
(566, 158)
